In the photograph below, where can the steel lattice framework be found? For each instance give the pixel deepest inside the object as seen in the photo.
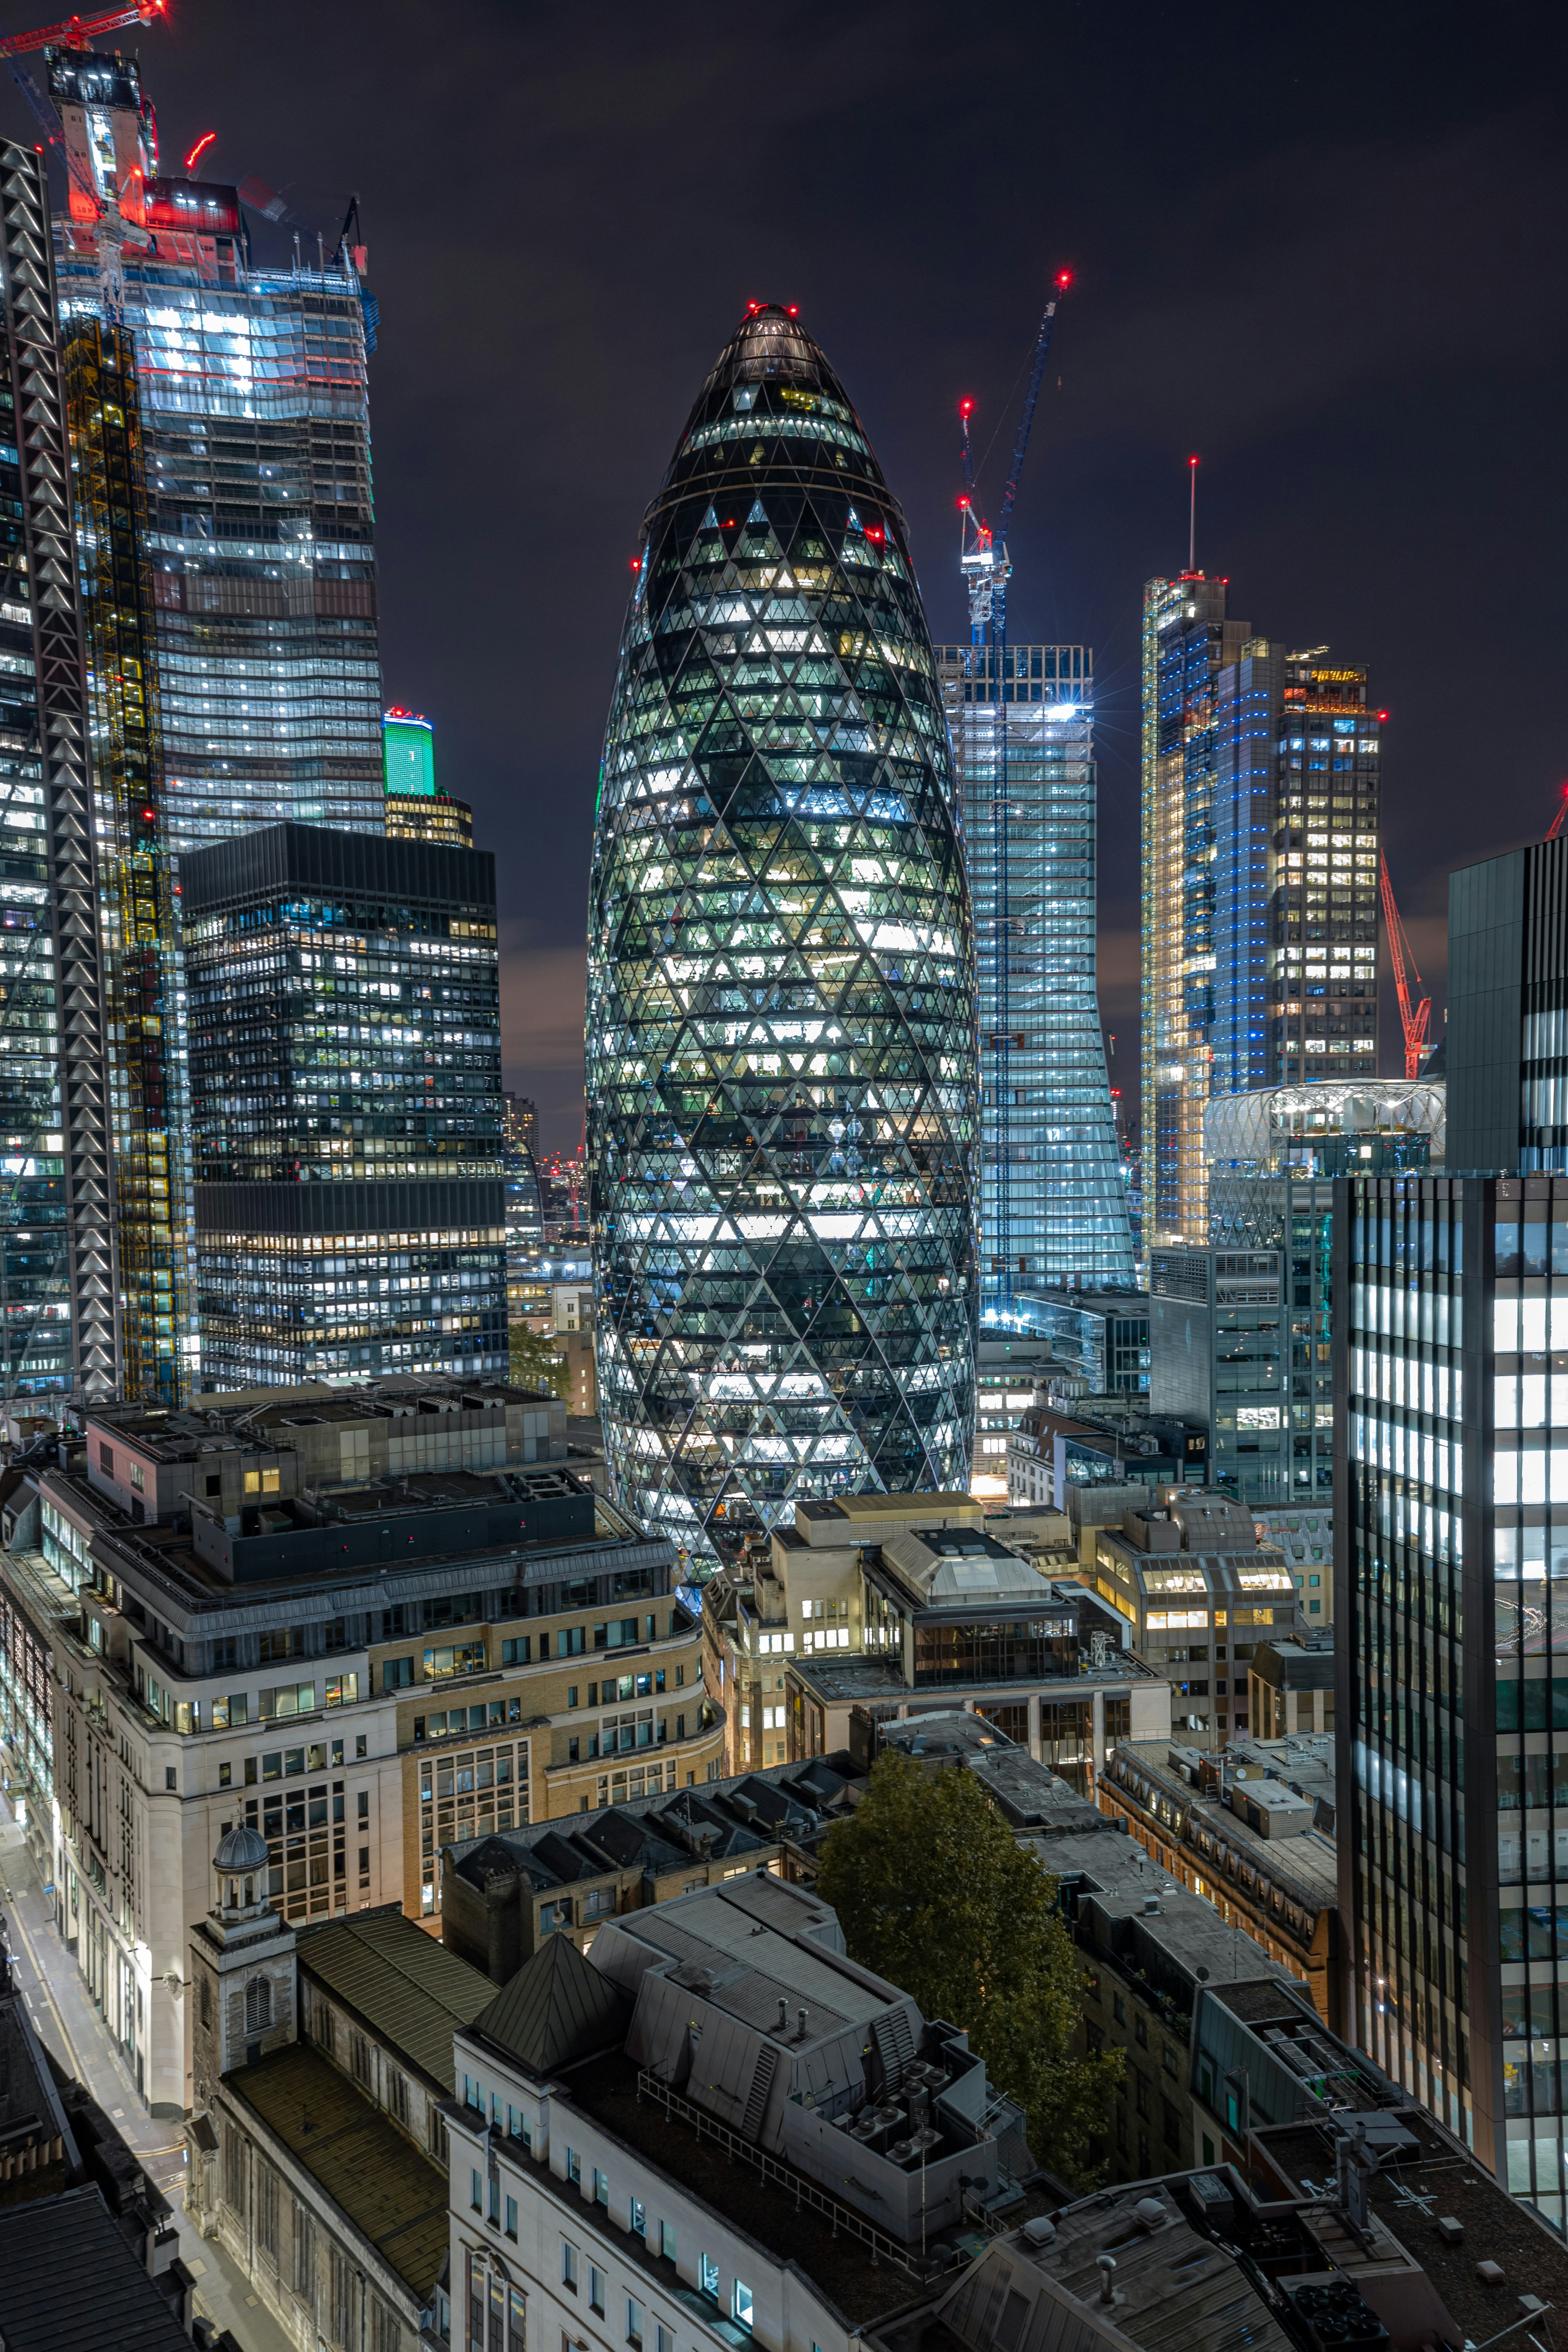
(782, 1082)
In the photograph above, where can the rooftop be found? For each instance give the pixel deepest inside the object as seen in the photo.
(390, 2193)
(69, 2281)
(723, 1820)
(406, 1988)
(1175, 1778)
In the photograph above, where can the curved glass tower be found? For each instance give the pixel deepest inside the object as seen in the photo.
(781, 1087)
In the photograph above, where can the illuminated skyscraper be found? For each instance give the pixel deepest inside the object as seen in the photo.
(57, 1323)
(1261, 772)
(1053, 1203)
(417, 807)
(256, 436)
(782, 1084)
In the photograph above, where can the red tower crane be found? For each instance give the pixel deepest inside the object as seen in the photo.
(1555, 827)
(1414, 1024)
(73, 32)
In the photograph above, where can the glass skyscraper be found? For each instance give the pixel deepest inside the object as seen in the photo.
(1260, 791)
(256, 433)
(782, 1084)
(345, 1089)
(58, 1332)
(1053, 1203)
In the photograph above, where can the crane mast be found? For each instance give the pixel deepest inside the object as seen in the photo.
(1414, 1021)
(984, 562)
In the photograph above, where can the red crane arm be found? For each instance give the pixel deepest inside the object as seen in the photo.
(1560, 818)
(73, 31)
(1415, 1023)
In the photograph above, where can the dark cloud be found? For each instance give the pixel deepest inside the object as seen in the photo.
(1326, 253)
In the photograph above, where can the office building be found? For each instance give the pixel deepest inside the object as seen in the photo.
(1253, 1830)
(58, 1261)
(1261, 784)
(1052, 1206)
(1094, 1462)
(144, 1004)
(345, 1092)
(362, 1625)
(250, 343)
(1508, 981)
(519, 1123)
(1197, 1590)
(1100, 1338)
(781, 1093)
(1450, 1310)
(1147, 1947)
(890, 1603)
(613, 2192)
(527, 1292)
(417, 809)
(1241, 1332)
(1006, 1371)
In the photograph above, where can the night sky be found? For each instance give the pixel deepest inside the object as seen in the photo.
(1322, 248)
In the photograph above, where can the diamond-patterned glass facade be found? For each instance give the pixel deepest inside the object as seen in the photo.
(782, 1082)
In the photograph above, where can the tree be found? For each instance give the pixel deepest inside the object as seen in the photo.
(934, 1893)
(533, 1363)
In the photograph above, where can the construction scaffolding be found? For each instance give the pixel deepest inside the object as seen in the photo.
(136, 893)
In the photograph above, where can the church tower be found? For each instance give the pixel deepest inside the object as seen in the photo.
(242, 1969)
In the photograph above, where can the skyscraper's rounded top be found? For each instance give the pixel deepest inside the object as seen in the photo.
(240, 1849)
(771, 404)
(770, 341)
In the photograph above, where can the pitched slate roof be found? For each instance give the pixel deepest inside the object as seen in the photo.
(69, 2282)
(409, 1989)
(391, 2192)
(557, 2008)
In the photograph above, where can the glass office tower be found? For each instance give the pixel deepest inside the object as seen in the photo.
(256, 437)
(781, 984)
(1260, 797)
(1053, 1205)
(346, 1106)
(1451, 1555)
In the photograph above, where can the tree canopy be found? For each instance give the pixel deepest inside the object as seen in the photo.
(934, 1893)
(533, 1362)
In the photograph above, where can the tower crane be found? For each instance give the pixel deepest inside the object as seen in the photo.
(983, 561)
(75, 32)
(1555, 827)
(1414, 1024)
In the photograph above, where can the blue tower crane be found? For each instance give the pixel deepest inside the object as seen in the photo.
(983, 561)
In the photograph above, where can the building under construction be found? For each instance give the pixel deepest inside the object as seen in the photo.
(1259, 886)
(1052, 1209)
(255, 427)
(215, 375)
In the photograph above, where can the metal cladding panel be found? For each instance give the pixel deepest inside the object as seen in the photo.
(1489, 943)
(423, 1205)
(782, 1092)
(312, 857)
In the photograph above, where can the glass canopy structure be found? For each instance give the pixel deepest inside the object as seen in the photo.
(782, 1082)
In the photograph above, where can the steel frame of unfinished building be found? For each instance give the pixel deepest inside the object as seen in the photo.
(58, 1273)
(1053, 1207)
